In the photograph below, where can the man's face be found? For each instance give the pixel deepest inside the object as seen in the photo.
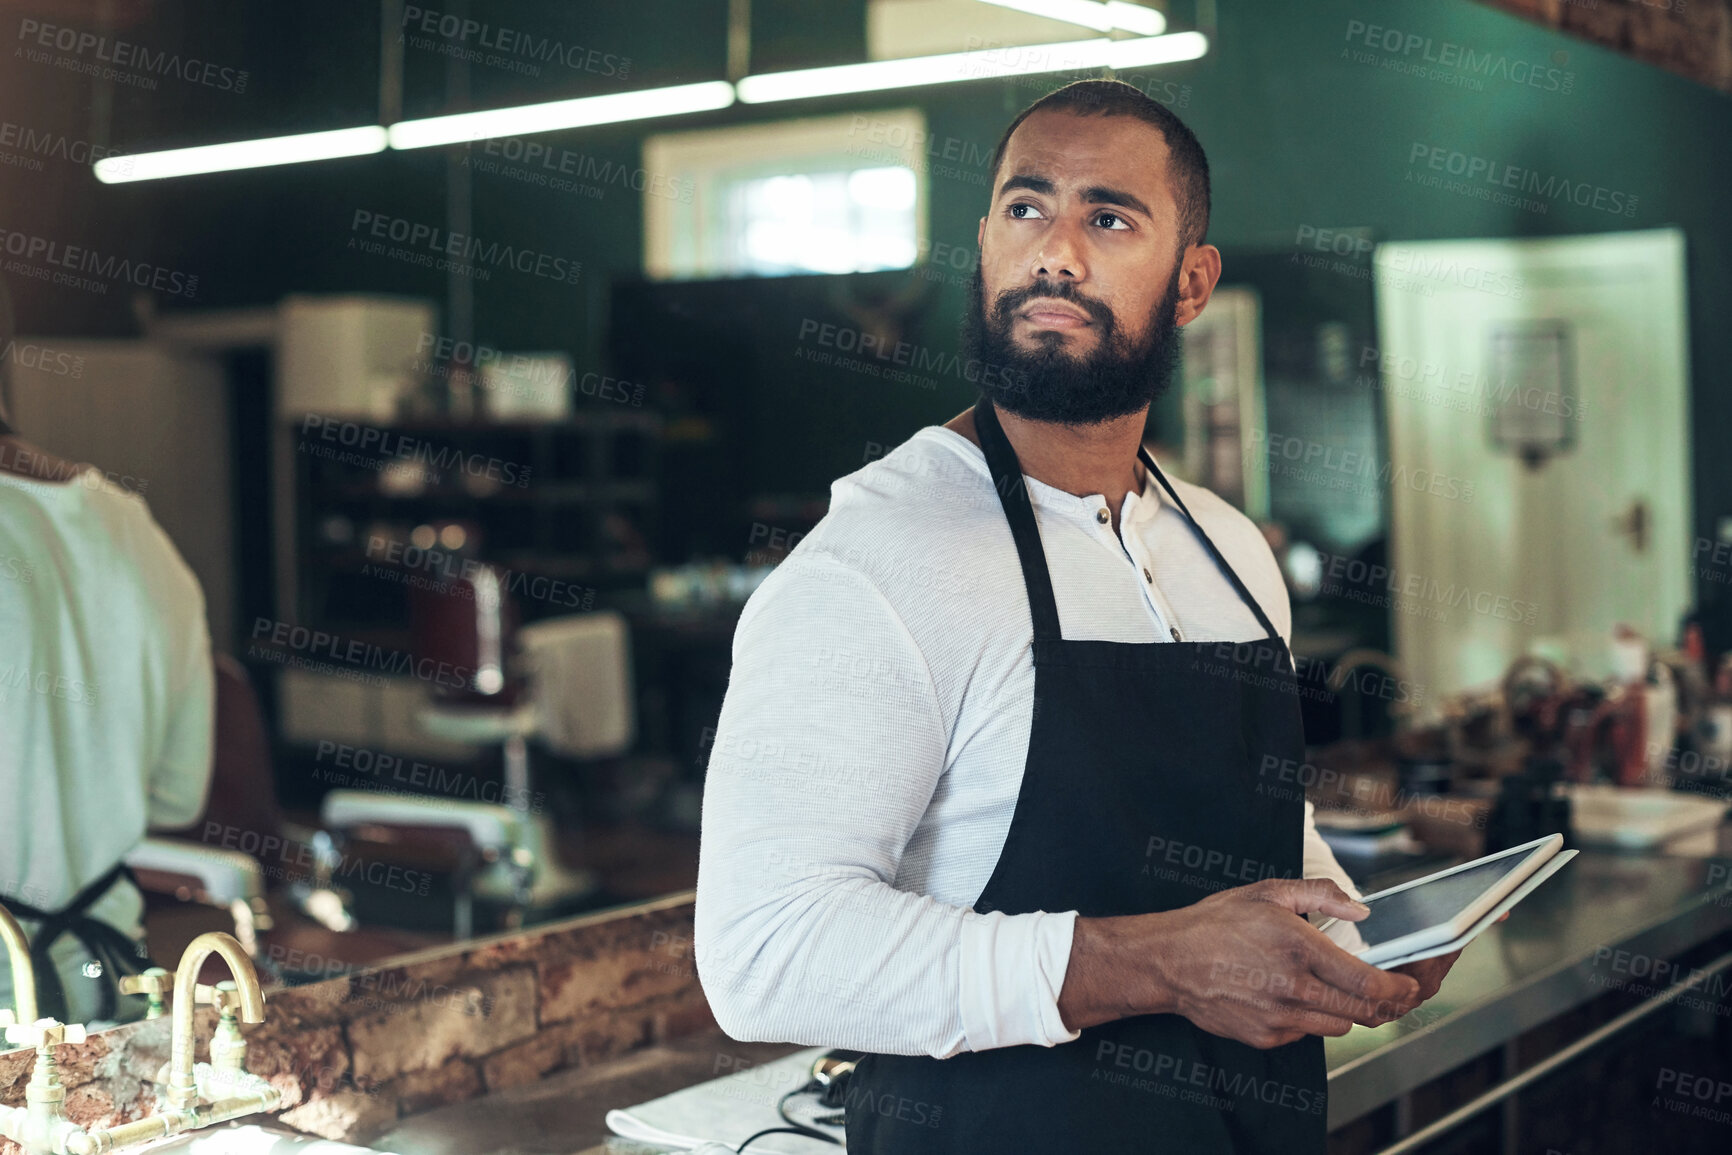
(1077, 292)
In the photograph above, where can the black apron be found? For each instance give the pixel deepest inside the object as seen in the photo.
(115, 952)
(1141, 793)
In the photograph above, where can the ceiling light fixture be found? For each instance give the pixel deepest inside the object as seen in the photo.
(241, 154)
(707, 96)
(1093, 14)
(981, 64)
(583, 112)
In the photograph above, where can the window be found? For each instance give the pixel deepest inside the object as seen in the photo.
(841, 194)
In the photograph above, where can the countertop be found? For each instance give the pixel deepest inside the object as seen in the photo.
(1554, 953)
(564, 1114)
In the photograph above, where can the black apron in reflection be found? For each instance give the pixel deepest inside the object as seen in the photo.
(115, 953)
(1141, 793)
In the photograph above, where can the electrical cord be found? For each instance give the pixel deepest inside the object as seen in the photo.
(794, 1127)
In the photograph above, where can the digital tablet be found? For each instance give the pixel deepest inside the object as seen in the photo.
(1434, 914)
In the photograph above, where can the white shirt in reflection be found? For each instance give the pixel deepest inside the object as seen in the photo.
(106, 700)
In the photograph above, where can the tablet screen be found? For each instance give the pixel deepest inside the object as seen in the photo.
(1431, 903)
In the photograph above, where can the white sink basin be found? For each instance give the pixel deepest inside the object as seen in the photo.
(1637, 818)
(252, 1139)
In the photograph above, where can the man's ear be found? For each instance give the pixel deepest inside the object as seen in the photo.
(980, 236)
(1199, 272)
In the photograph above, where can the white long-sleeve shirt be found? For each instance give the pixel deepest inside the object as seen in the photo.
(106, 699)
(873, 737)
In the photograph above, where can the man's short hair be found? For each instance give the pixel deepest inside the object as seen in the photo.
(1189, 167)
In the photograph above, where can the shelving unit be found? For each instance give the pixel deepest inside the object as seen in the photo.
(574, 501)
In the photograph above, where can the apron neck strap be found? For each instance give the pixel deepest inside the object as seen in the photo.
(1013, 495)
(1232, 575)
(1007, 478)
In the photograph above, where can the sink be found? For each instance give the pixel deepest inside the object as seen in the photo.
(1635, 818)
(252, 1139)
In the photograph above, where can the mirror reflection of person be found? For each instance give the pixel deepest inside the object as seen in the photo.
(106, 705)
(990, 796)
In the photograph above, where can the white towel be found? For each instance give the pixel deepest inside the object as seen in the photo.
(583, 682)
(729, 1110)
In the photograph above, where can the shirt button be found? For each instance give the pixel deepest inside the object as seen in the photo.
(1147, 577)
(1102, 516)
(1174, 630)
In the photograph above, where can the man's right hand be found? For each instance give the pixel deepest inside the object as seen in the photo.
(1242, 963)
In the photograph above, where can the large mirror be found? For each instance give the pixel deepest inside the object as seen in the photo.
(381, 504)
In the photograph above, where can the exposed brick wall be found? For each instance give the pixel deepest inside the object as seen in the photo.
(1692, 38)
(354, 1054)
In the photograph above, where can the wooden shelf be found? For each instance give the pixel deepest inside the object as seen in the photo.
(591, 497)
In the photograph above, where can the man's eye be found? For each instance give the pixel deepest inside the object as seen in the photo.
(1115, 217)
(1017, 212)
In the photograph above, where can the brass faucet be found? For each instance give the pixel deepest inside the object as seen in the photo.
(41, 1125)
(248, 999)
(23, 971)
(195, 1096)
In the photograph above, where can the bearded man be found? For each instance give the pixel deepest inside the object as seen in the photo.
(989, 799)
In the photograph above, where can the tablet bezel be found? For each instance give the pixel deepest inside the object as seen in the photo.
(1534, 855)
(1548, 868)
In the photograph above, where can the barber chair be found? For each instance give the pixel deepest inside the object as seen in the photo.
(571, 687)
(281, 908)
(471, 623)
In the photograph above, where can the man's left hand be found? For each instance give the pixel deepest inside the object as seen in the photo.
(1429, 972)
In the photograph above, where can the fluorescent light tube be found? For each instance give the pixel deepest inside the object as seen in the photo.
(1136, 18)
(1092, 14)
(241, 154)
(581, 112)
(982, 64)
(1144, 51)
(1087, 13)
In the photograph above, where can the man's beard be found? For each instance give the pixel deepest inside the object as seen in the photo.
(1052, 384)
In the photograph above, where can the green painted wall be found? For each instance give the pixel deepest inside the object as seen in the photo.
(1306, 125)
(1300, 133)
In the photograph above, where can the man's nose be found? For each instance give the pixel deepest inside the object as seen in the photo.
(1060, 254)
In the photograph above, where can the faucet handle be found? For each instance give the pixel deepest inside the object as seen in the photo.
(44, 1033)
(154, 983)
(224, 996)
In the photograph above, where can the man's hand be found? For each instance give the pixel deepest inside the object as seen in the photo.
(1429, 972)
(1242, 963)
